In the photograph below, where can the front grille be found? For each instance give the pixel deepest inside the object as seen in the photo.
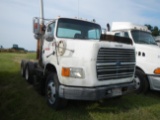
(115, 63)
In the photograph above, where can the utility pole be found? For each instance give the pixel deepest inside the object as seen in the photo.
(39, 41)
(41, 12)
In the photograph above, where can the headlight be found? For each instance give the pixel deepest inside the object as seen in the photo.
(73, 72)
(157, 71)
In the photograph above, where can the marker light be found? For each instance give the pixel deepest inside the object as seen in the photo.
(66, 72)
(157, 71)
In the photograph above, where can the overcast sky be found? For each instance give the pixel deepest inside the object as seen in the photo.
(16, 15)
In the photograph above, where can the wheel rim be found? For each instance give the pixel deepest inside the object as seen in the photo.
(26, 74)
(137, 80)
(51, 92)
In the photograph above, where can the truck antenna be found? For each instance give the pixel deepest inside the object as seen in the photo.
(78, 8)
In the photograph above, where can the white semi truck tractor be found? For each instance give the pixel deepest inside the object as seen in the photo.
(147, 54)
(76, 62)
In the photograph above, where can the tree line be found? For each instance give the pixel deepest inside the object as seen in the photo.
(154, 29)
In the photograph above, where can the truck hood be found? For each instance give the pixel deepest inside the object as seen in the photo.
(151, 53)
(84, 49)
(147, 57)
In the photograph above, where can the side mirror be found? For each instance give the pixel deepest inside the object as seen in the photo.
(36, 26)
(49, 37)
(37, 36)
(104, 31)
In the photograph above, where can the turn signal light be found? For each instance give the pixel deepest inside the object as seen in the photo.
(157, 71)
(66, 72)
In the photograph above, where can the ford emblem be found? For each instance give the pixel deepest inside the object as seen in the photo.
(118, 63)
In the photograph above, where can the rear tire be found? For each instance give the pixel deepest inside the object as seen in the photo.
(142, 84)
(22, 68)
(52, 92)
(29, 73)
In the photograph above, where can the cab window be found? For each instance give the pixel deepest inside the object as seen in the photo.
(50, 28)
(122, 34)
(77, 29)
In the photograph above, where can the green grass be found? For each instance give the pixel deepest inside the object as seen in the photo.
(20, 101)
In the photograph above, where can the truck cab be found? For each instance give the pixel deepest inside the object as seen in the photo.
(147, 54)
(158, 40)
(79, 64)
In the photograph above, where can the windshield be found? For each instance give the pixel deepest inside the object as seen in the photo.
(142, 37)
(76, 29)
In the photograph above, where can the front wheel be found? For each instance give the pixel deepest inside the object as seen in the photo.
(52, 93)
(142, 84)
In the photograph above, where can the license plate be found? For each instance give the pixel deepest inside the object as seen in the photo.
(116, 92)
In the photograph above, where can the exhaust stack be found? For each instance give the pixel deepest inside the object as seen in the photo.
(108, 27)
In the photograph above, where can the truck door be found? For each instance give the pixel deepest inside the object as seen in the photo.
(48, 44)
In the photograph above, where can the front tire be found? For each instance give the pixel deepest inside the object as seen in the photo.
(142, 84)
(52, 92)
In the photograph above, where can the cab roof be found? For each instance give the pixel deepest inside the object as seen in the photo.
(51, 20)
(119, 26)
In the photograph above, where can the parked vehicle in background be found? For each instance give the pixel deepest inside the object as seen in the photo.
(147, 54)
(158, 40)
